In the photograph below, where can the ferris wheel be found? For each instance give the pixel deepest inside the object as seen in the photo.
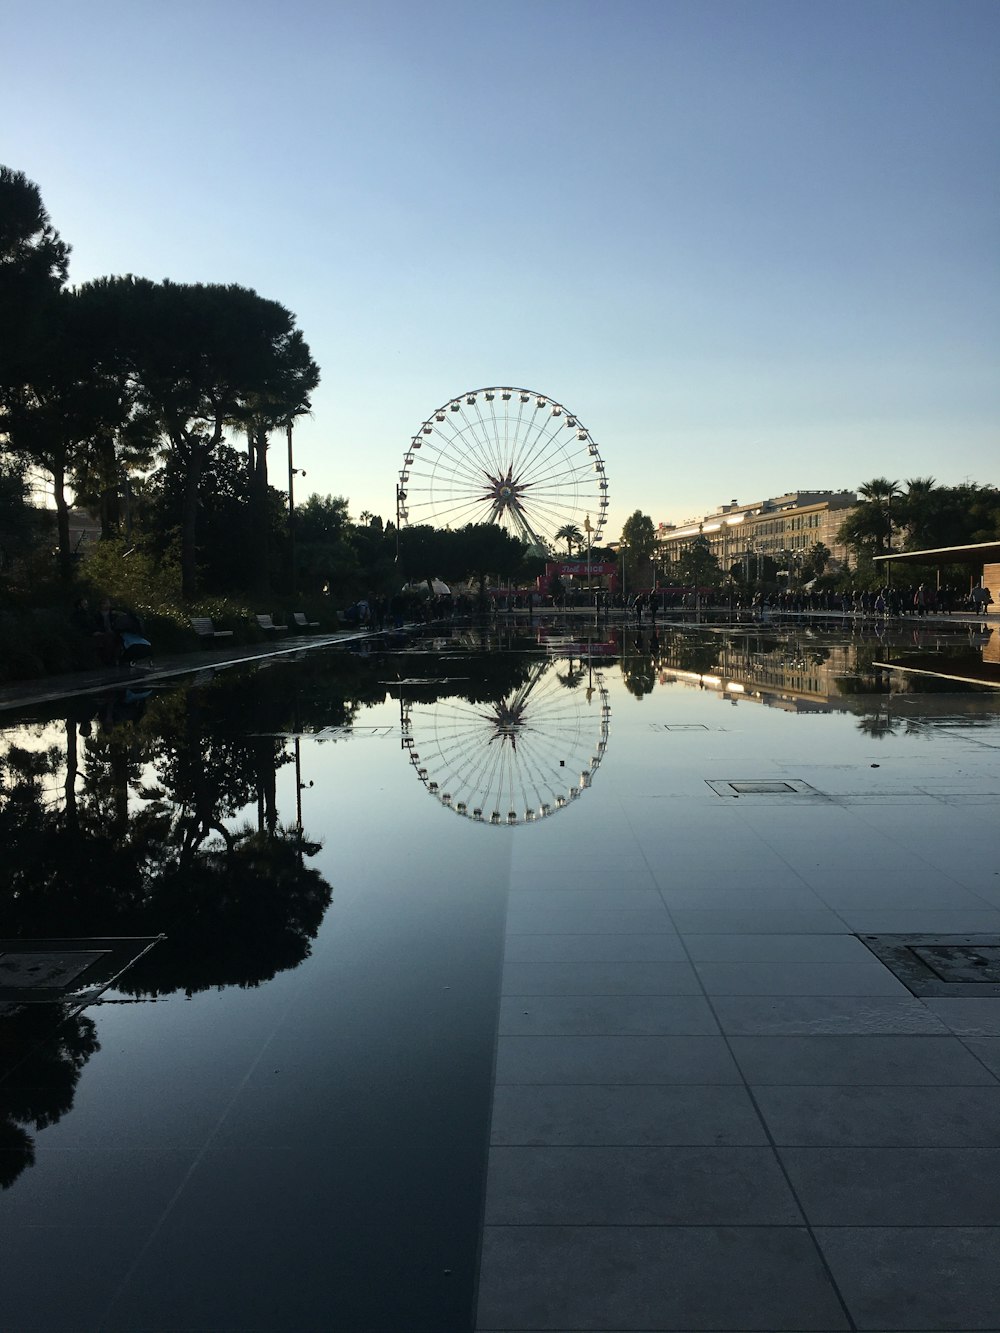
(516, 759)
(508, 456)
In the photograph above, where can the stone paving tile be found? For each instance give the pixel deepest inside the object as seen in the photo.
(807, 1014)
(635, 1278)
(658, 948)
(615, 1059)
(902, 1278)
(680, 1115)
(625, 1014)
(541, 919)
(968, 1018)
(878, 893)
(898, 920)
(896, 1186)
(583, 899)
(796, 898)
(986, 1049)
(605, 1186)
(880, 1060)
(600, 979)
(842, 1116)
(776, 949)
(751, 921)
(861, 978)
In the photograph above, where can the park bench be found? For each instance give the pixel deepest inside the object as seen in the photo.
(265, 622)
(203, 627)
(302, 623)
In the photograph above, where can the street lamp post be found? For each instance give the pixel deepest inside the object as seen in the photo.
(292, 473)
(291, 510)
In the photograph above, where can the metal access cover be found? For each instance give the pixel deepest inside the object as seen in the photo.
(66, 972)
(762, 787)
(29, 971)
(962, 962)
(941, 966)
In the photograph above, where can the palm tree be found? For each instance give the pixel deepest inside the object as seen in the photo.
(571, 535)
(919, 508)
(878, 495)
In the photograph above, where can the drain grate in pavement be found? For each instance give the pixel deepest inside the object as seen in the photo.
(761, 787)
(941, 966)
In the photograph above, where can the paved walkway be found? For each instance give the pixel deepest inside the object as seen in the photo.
(209, 657)
(714, 1107)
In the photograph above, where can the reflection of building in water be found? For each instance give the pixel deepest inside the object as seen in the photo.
(516, 758)
(977, 663)
(811, 675)
(795, 675)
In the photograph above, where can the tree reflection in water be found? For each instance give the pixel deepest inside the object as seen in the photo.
(41, 1059)
(136, 824)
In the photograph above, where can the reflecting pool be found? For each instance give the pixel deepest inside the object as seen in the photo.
(255, 923)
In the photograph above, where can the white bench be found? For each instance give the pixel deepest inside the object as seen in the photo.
(265, 622)
(203, 627)
(300, 620)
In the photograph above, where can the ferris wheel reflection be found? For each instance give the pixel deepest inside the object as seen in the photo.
(517, 758)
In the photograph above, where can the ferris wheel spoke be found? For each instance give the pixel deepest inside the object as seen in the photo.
(462, 444)
(552, 517)
(449, 512)
(539, 448)
(533, 439)
(525, 427)
(499, 451)
(464, 457)
(559, 468)
(456, 464)
(472, 431)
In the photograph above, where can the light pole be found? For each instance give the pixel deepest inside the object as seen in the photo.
(292, 471)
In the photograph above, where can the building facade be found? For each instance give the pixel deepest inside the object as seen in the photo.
(783, 528)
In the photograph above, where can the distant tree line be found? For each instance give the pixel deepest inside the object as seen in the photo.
(920, 515)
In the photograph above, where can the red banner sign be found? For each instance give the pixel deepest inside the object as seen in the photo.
(578, 569)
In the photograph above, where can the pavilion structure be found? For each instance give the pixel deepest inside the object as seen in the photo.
(982, 558)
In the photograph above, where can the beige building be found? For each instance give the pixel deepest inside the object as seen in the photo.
(787, 523)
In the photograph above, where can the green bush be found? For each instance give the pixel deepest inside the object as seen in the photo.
(134, 577)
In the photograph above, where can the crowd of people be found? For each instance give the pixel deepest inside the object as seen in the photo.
(889, 601)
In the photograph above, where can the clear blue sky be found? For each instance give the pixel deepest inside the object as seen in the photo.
(752, 245)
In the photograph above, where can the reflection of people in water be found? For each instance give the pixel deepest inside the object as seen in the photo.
(123, 706)
(112, 710)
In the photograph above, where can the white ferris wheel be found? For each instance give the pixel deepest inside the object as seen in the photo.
(508, 456)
